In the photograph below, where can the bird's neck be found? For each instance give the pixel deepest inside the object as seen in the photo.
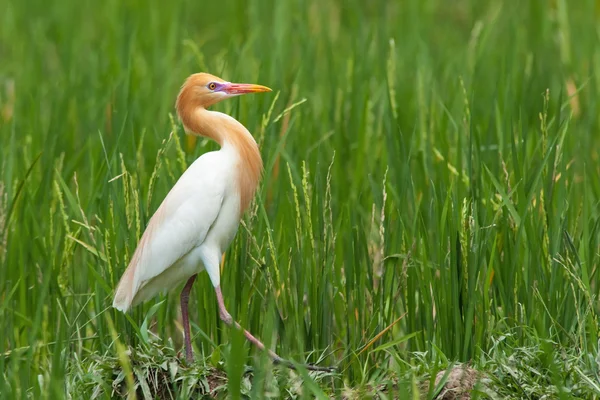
(233, 137)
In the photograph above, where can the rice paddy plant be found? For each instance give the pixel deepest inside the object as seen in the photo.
(430, 197)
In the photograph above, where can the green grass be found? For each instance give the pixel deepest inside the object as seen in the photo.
(431, 196)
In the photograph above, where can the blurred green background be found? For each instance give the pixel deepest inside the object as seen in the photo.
(430, 194)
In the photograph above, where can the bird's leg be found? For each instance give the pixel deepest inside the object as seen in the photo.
(226, 317)
(185, 297)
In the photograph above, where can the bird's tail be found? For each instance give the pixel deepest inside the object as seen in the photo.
(124, 293)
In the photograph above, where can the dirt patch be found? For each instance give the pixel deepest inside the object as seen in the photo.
(157, 383)
(215, 380)
(459, 383)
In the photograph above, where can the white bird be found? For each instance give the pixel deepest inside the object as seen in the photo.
(199, 217)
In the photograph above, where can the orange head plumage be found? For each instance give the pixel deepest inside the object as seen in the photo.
(204, 90)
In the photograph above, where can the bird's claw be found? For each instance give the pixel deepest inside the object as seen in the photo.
(319, 368)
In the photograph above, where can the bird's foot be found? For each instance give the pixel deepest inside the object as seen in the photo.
(313, 367)
(189, 358)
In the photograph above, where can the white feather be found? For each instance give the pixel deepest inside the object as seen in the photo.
(189, 231)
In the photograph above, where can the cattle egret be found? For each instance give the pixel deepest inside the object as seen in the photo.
(198, 219)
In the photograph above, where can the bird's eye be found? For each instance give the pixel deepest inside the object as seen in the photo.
(212, 86)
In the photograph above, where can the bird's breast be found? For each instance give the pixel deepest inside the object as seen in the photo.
(225, 227)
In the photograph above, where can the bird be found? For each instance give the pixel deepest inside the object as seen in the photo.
(199, 217)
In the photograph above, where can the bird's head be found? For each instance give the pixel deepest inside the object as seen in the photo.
(204, 90)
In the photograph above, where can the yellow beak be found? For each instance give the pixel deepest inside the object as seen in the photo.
(243, 88)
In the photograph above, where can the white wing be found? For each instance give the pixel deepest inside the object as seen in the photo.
(179, 225)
